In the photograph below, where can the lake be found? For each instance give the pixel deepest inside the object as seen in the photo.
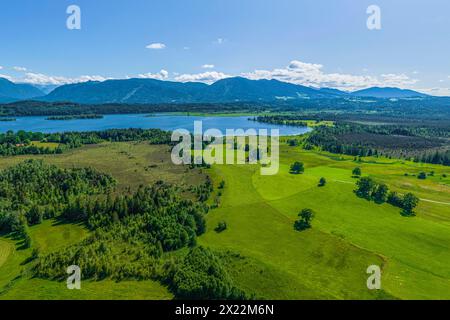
(160, 121)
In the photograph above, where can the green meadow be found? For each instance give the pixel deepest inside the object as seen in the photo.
(270, 258)
(348, 234)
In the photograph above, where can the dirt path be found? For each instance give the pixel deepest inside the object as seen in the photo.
(438, 202)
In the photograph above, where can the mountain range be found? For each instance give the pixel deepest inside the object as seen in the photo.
(149, 91)
(10, 91)
(388, 93)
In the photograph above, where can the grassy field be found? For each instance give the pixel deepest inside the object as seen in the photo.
(348, 235)
(270, 258)
(309, 123)
(16, 282)
(132, 165)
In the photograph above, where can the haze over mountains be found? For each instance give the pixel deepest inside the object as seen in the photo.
(148, 91)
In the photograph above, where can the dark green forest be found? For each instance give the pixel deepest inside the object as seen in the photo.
(420, 144)
(75, 117)
(436, 108)
(133, 236)
(425, 141)
(20, 143)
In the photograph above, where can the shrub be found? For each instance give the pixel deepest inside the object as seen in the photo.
(297, 167)
(357, 172)
(306, 216)
(422, 176)
(221, 226)
(322, 182)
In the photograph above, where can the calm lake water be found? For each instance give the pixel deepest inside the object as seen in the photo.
(162, 121)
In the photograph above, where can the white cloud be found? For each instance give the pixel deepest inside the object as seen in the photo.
(219, 41)
(6, 77)
(162, 75)
(207, 77)
(297, 72)
(156, 46)
(312, 75)
(40, 78)
(90, 78)
(444, 92)
(397, 80)
(20, 69)
(1, 67)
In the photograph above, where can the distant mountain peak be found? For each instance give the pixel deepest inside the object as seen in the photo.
(10, 91)
(388, 93)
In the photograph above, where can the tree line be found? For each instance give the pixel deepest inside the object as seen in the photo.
(75, 117)
(131, 238)
(417, 144)
(33, 191)
(20, 143)
(368, 189)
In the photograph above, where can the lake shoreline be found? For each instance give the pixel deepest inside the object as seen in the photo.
(162, 121)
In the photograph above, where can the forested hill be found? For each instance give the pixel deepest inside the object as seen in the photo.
(10, 91)
(429, 108)
(152, 91)
(156, 91)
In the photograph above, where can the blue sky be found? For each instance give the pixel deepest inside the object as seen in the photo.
(312, 42)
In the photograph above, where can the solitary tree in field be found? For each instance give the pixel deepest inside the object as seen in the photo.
(322, 182)
(422, 176)
(306, 216)
(410, 202)
(222, 226)
(357, 172)
(297, 168)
